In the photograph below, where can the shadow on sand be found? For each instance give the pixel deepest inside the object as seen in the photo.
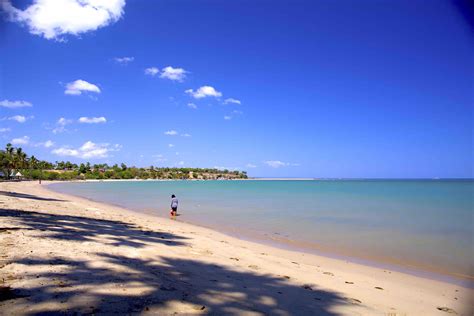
(123, 284)
(79, 228)
(29, 196)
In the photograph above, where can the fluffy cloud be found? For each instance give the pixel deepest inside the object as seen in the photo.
(186, 135)
(152, 71)
(232, 100)
(170, 145)
(88, 150)
(278, 163)
(63, 121)
(227, 117)
(204, 91)
(4, 129)
(18, 118)
(54, 18)
(20, 141)
(192, 106)
(124, 60)
(15, 104)
(250, 165)
(79, 86)
(171, 133)
(159, 158)
(46, 144)
(175, 74)
(92, 120)
(61, 125)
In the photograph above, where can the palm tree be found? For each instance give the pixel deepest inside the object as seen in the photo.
(33, 162)
(9, 160)
(20, 158)
(9, 149)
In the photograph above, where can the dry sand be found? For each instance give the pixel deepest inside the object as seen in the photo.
(63, 254)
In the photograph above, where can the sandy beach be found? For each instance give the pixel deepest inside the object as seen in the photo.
(64, 254)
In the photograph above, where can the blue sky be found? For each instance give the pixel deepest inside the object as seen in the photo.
(326, 88)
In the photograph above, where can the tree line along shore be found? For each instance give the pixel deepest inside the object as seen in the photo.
(15, 164)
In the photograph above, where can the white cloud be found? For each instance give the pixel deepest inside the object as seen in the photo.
(192, 105)
(170, 145)
(15, 104)
(79, 86)
(20, 141)
(66, 152)
(159, 158)
(61, 125)
(278, 163)
(5, 129)
(46, 144)
(249, 165)
(63, 121)
(92, 120)
(124, 60)
(54, 18)
(171, 133)
(237, 112)
(225, 168)
(204, 91)
(181, 163)
(175, 74)
(18, 118)
(88, 150)
(152, 71)
(227, 117)
(186, 135)
(232, 100)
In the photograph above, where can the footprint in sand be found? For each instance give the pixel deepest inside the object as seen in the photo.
(236, 259)
(199, 308)
(329, 273)
(307, 287)
(348, 282)
(353, 300)
(447, 310)
(379, 288)
(252, 266)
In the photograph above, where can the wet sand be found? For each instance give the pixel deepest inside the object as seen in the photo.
(65, 254)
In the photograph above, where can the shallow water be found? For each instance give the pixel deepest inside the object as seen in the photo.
(426, 224)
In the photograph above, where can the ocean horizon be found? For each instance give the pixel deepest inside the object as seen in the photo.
(420, 224)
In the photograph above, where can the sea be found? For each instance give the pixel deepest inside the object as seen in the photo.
(423, 227)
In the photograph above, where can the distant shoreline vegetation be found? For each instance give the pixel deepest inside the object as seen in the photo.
(16, 164)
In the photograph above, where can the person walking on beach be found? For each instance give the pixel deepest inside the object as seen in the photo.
(174, 205)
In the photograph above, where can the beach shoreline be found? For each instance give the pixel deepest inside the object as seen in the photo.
(278, 240)
(360, 289)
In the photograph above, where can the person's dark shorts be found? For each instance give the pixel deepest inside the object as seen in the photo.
(174, 209)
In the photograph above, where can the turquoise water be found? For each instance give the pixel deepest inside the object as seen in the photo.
(426, 224)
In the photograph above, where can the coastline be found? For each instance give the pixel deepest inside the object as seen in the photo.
(280, 241)
(314, 283)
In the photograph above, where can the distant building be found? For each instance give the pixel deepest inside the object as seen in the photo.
(16, 175)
